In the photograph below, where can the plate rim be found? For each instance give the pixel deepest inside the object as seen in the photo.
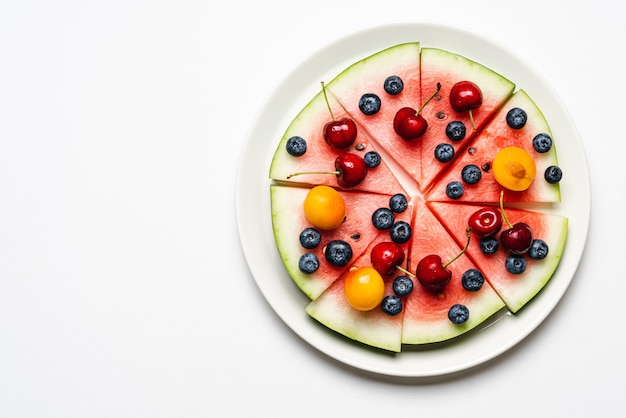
(262, 256)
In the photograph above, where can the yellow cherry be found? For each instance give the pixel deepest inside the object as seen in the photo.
(324, 207)
(514, 168)
(364, 288)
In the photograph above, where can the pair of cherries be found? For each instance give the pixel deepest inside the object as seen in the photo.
(410, 125)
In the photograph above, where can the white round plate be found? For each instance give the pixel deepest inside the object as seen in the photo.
(254, 215)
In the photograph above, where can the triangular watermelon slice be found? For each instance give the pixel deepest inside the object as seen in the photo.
(374, 328)
(495, 136)
(357, 230)
(368, 77)
(425, 313)
(515, 289)
(448, 68)
(319, 156)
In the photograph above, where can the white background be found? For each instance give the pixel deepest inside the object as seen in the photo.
(123, 288)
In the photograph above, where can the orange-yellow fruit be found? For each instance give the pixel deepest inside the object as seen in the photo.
(514, 168)
(324, 207)
(364, 288)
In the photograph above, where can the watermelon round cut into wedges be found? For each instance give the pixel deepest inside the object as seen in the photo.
(419, 195)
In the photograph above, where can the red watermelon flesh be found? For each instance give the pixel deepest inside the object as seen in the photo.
(289, 220)
(495, 136)
(426, 314)
(374, 328)
(447, 68)
(319, 156)
(368, 76)
(515, 289)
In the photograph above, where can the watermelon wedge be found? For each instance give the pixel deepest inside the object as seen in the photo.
(374, 328)
(448, 68)
(319, 156)
(515, 289)
(368, 77)
(288, 221)
(495, 136)
(425, 313)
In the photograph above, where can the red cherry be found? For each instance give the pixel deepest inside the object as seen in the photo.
(465, 96)
(432, 274)
(409, 124)
(485, 222)
(517, 239)
(386, 257)
(351, 170)
(338, 133)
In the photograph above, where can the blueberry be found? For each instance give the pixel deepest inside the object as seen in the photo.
(372, 159)
(383, 218)
(542, 143)
(471, 174)
(308, 263)
(296, 146)
(515, 264)
(458, 314)
(489, 245)
(391, 305)
(516, 118)
(553, 174)
(400, 232)
(454, 190)
(393, 85)
(310, 238)
(538, 249)
(472, 280)
(338, 253)
(369, 104)
(398, 203)
(402, 285)
(455, 131)
(444, 153)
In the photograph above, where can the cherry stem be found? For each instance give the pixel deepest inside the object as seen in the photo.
(326, 99)
(312, 172)
(502, 209)
(468, 232)
(405, 271)
(429, 99)
(471, 116)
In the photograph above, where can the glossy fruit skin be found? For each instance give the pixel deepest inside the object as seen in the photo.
(465, 95)
(431, 273)
(385, 256)
(517, 239)
(340, 133)
(352, 170)
(409, 125)
(364, 288)
(324, 208)
(485, 222)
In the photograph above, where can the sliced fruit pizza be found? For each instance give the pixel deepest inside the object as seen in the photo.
(391, 198)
